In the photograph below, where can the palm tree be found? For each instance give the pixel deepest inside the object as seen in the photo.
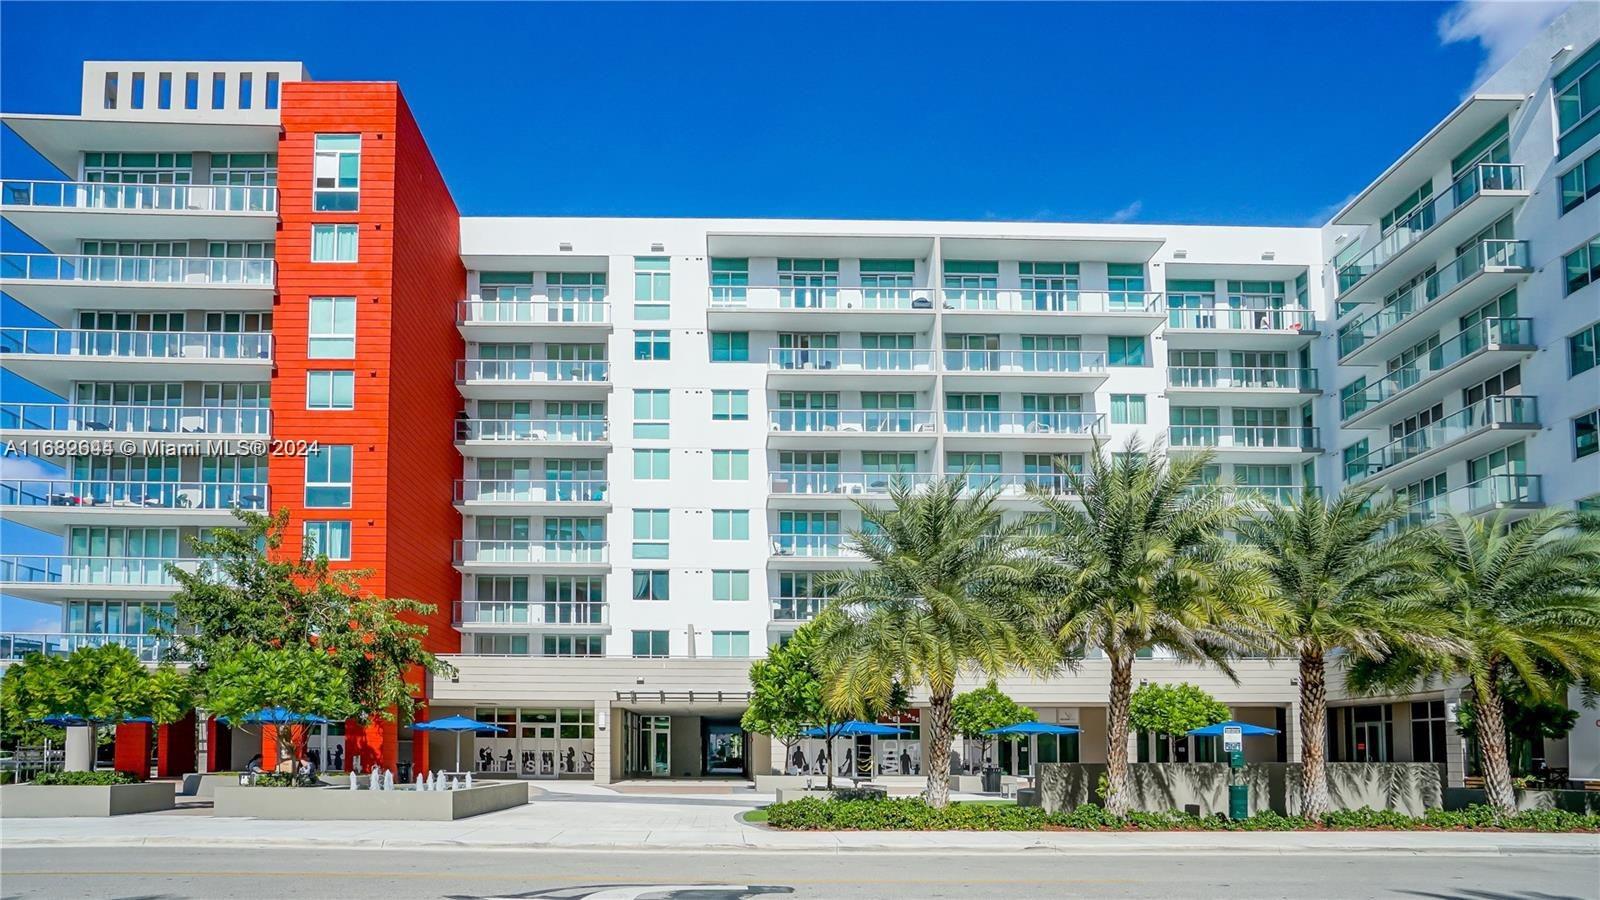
(1353, 586)
(939, 595)
(1144, 562)
(1523, 601)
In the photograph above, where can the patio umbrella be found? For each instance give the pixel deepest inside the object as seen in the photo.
(459, 725)
(1245, 728)
(851, 728)
(277, 715)
(1031, 730)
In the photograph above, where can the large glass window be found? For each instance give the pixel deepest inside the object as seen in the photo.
(1577, 90)
(652, 345)
(1123, 350)
(330, 389)
(652, 531)
(730, 585)
(730, 524)
(1127, 409)
(652, 412)
(652, 287)
(730, 406)
(337, 173)
(730, 280)
(333, 243)
(730, 465)
(651, 584)
(328, 476)
(652, 465)
(1582, 353)
(328, 538)
(1582, 265)
(730, 346)
(649, 643)
(332, 328)
(1586, 434)
(1579, 183)
(730, 644)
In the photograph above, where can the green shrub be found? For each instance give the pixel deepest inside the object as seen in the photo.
(82, 779)
(282, 779)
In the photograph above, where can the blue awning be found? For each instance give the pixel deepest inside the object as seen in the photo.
(1245, 728)
(853, 728)
(1030, 728)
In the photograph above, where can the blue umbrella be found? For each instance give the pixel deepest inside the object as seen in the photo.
(65, 721)
(852, 729)
(1245, 728)
(458, 724)
(1031, 730)
(277, 715)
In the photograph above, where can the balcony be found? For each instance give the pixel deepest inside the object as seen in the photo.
(810, 490)
(516, 379)
(976, 430)
(1055, 311)
(236, 425)
(1482, 273)
(501, 497)
(784, 307)
(16, 645)
(1480, 196)
(55, 358)
(799, 551)
(58, 213)
(53, 504)
(582, 317)
(850, 369)
(1237, 441)
(1021, 370)
(789, 613)
(1238, 321)
(55, 578)
(492, 555)
(517, 438)
(819, 428)
(1259, 386)
(1490, 346)
(528, 615)
(1492, 494)
(57, 286)
(1489, 424)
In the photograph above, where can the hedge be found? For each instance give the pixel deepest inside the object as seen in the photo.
(83, 779)
(913, 814)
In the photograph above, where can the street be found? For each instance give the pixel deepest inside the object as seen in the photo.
(173, 873)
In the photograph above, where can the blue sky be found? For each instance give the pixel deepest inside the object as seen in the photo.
(1251, 113)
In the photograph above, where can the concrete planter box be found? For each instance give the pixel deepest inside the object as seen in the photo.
(205, 784)
(1571, 801)
(1411, 788)
(28, 801)
(967, 784)
(332, 803)
(787, 794)
(770, 784)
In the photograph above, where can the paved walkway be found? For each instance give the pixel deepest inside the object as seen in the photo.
(573, 816)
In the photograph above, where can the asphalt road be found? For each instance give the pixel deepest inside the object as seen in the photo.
(170, 873)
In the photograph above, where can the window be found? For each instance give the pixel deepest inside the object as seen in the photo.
(652, 287)
(1577, 92)
(1428, 731)
(1355, 460)
(652, 465)
(730, 346)
(730, 406)
(328, 476)
(730, 644)
(1582, 265)
(652, 345)
(730, 585)
(332, 328)
(1583, 350)
(651, 584)
(327, 538)
(1580, 183)
(500, 644)
(576, 645)
(730, 279)
(1586, 434)
(330, 390)
(333, 243)
(730, 465)
(1127, 409)
(1125, 351)
(1412, 200)
(730, 524)
(649, 643)
(651, 411)
(652, 528)
(336, 173)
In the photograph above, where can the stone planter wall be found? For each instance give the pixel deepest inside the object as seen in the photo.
(1571, 801)
(328, 803)
(29, 801)
(1410, 788)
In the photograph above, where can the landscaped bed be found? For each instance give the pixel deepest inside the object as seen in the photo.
(913, 814)
(59, 794)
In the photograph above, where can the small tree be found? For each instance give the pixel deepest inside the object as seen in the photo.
(1526, 720)
(984, 709)
(245, 678)
(1174, 709)
(105, 684)
(786, 695)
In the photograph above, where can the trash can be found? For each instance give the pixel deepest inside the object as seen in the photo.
(1238, 802)
(991, 780)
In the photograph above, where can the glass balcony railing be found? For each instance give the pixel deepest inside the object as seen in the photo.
(1239, 312)
(1495, 254)
(1244, 437)
(1242, 378)
(95, 419)
(587, 310)
(1016, 484)
(138, 270)
(1420, 221)
(1486, 413)
(1070, 423)
(1025, 362)
(797, 609)
(90, 570)
(1486, 333)
(145, 197)
(823, 545)
(531, 491)
(525, 371)
(15, 645)
(796, 297)
(842, 483)
(189, 346)
(580, 431)
(529, 612)
(845, 421)
(1279, 494)
(810, 359)
(220, 495)
(532, 552)
(1051, 301)
(1486, 494)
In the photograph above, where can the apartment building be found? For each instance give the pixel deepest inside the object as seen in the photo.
(617, 454)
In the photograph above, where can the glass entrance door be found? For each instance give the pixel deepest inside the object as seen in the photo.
(725, 749)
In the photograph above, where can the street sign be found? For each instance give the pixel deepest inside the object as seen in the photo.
(1232, 738)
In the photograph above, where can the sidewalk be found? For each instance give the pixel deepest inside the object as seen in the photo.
(592, 817)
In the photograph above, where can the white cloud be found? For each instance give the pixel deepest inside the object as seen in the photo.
(1322, 216)
(1500, 27)
(1127, 213)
